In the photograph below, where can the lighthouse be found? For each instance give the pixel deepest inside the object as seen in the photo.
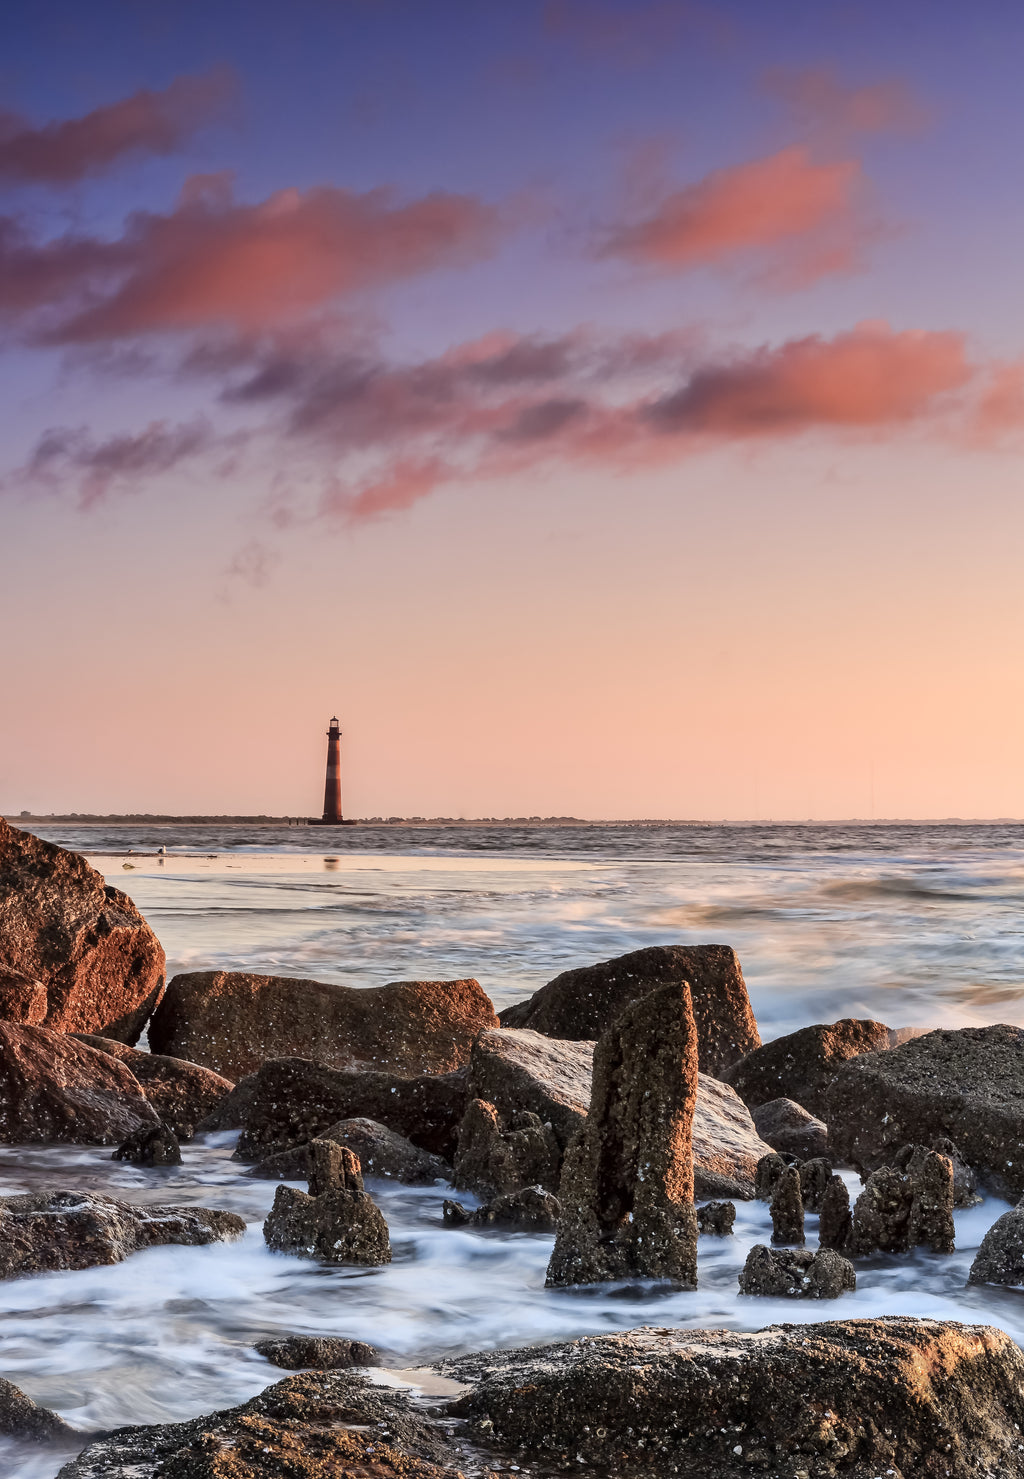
(332, 788)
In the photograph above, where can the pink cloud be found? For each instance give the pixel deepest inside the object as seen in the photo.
(819, 100)
(786, 200)
(147, 122)
(213, 260)
(868, 377)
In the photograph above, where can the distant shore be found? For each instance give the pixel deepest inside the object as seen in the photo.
(151, 819)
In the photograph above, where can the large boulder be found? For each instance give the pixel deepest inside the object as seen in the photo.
(924, 1399)
(494, 1159)
(790, 1129)
(49, 1230)
(803, 1064)
(181, 1093)
(382, 1152)
(233, 1022)
(54, 1088)
(517, 1069)
(627, 1181)
(293, 1100)
(318, 1425)
(62, 927)
(22, 998)
(965, 1084)
(581, 1004)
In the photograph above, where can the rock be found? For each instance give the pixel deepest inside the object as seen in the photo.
(787, 1127)
(965, 1084)
(796, 1273)
(283, 1165)
(181, 1093)
(234, 1022)
(717, 1218)
(1000, 1259)
(835, 1219)
(584, 1003)
(318, 1425)
(965, 1184)
(316, 1352)
(726, 1146)
(294, 1100)
(627, 1181)
(62, 927)
(898, 1210)
(22, 1420)
(492, 1160)
(531, 1209)
(22, 999)
(230, 1112)
(520, 1071)
(155, 1145)
(853, 1399)
(383, 1152)
(802, 1065)
(517, 1069)
(787, 1208)
(337, 1222)
(815, 1178)
(50, 1230)
(54, 1088)
(768, 1173)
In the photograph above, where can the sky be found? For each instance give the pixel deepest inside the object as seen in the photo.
(606, 409)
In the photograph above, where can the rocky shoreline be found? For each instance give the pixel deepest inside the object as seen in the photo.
(626, 1108)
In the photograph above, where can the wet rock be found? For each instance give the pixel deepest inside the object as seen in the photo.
(50, 1230)
(965, 1084)
(517, 1069)
(318, 1425)
(898, 1211)
(524, 1071)
(835, 1219)
(181, 1093)
(627, 1180)
(926, 1399)
(717, 1218)
(530, 1209)
(61, 926)
(233, 1022)
(230, 1112)
(909, 1158)
(54, 1088)
(155, 1145)
(802, 1065)
(283, 1165)
(294, 1100)
(584, 1003)
(787, 1208)
(815, 1178)
(1000, 1259)
(316, 1352)
(789, 1128)
(336, 1222)
(492, 1160)
(22, 999)
(21, 1419)
(796, 1273)
(768, 1173)
(385, 1153)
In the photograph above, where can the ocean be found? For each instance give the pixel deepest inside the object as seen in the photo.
(914, 924)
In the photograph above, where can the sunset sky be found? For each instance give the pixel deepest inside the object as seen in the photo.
(606, 409)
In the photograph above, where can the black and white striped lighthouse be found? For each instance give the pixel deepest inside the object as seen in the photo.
(332, 789)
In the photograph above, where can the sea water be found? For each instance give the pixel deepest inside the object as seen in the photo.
(915, 925)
